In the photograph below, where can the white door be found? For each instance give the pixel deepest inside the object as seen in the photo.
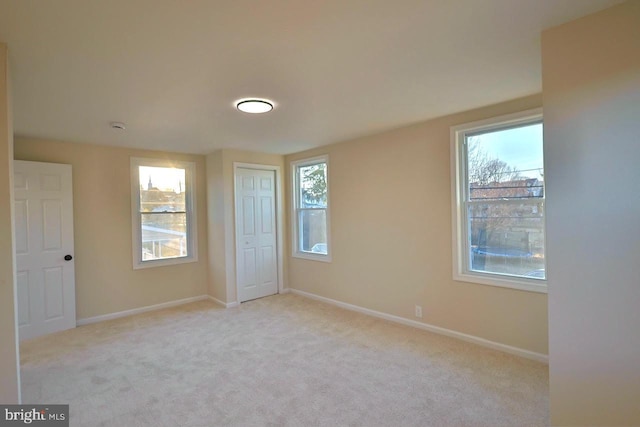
(256, 254)
(44, 248)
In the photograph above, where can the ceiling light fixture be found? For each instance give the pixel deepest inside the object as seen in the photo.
(254, 105)
(118, 125)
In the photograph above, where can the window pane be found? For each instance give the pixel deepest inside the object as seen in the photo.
(164, 236)
(313, 185)
(507, 238)
(162, 189)
(506, 164)
(313, 231)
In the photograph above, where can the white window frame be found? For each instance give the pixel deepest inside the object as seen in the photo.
(295, 186)
(461, 269)
(190, 207)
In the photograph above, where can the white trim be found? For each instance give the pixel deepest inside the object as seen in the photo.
(431, 328)
(501, 121)
(295, 238)
(279, 219)
(190, 207)
(125, 313)
(14, 268)
(495, 279)
(460, 269)
(217, 301)
(224, 304)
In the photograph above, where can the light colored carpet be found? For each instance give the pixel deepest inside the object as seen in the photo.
(278, 361)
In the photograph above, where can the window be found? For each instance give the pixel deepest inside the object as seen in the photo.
(498, 202)
(311, 209)
(163, 212)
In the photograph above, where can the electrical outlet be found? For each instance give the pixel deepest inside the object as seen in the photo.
(419, 311)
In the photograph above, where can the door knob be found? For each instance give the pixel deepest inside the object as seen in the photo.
(68, 257)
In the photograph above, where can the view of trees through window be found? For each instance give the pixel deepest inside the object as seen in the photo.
(505, 201)
(312, 208)
(163, 212)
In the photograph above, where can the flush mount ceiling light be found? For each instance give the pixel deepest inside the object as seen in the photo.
(117, 125)
(254, 105)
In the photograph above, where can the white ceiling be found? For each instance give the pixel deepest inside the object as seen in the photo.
(337, 69)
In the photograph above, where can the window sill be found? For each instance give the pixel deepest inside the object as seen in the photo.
(164, 262)
(312, 256)
(529, 285)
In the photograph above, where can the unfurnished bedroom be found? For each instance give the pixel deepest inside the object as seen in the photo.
(338, 213)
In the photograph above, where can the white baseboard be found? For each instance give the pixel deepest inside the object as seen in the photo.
(431, 328)
(224, 304)
(110, 316)
(217, 301)
(236, 303)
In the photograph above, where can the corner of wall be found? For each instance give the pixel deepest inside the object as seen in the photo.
(10, 360)
(216, 262)
(591, 76)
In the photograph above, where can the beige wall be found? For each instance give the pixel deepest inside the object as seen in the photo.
(591, 81)
(217, 285)
(220, 199)
(391, 236)
(105, 279)
(9, 369)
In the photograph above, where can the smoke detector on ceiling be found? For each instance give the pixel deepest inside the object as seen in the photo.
(118, 125)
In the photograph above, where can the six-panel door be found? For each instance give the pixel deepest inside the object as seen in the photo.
(256, 251)
(44, 237)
